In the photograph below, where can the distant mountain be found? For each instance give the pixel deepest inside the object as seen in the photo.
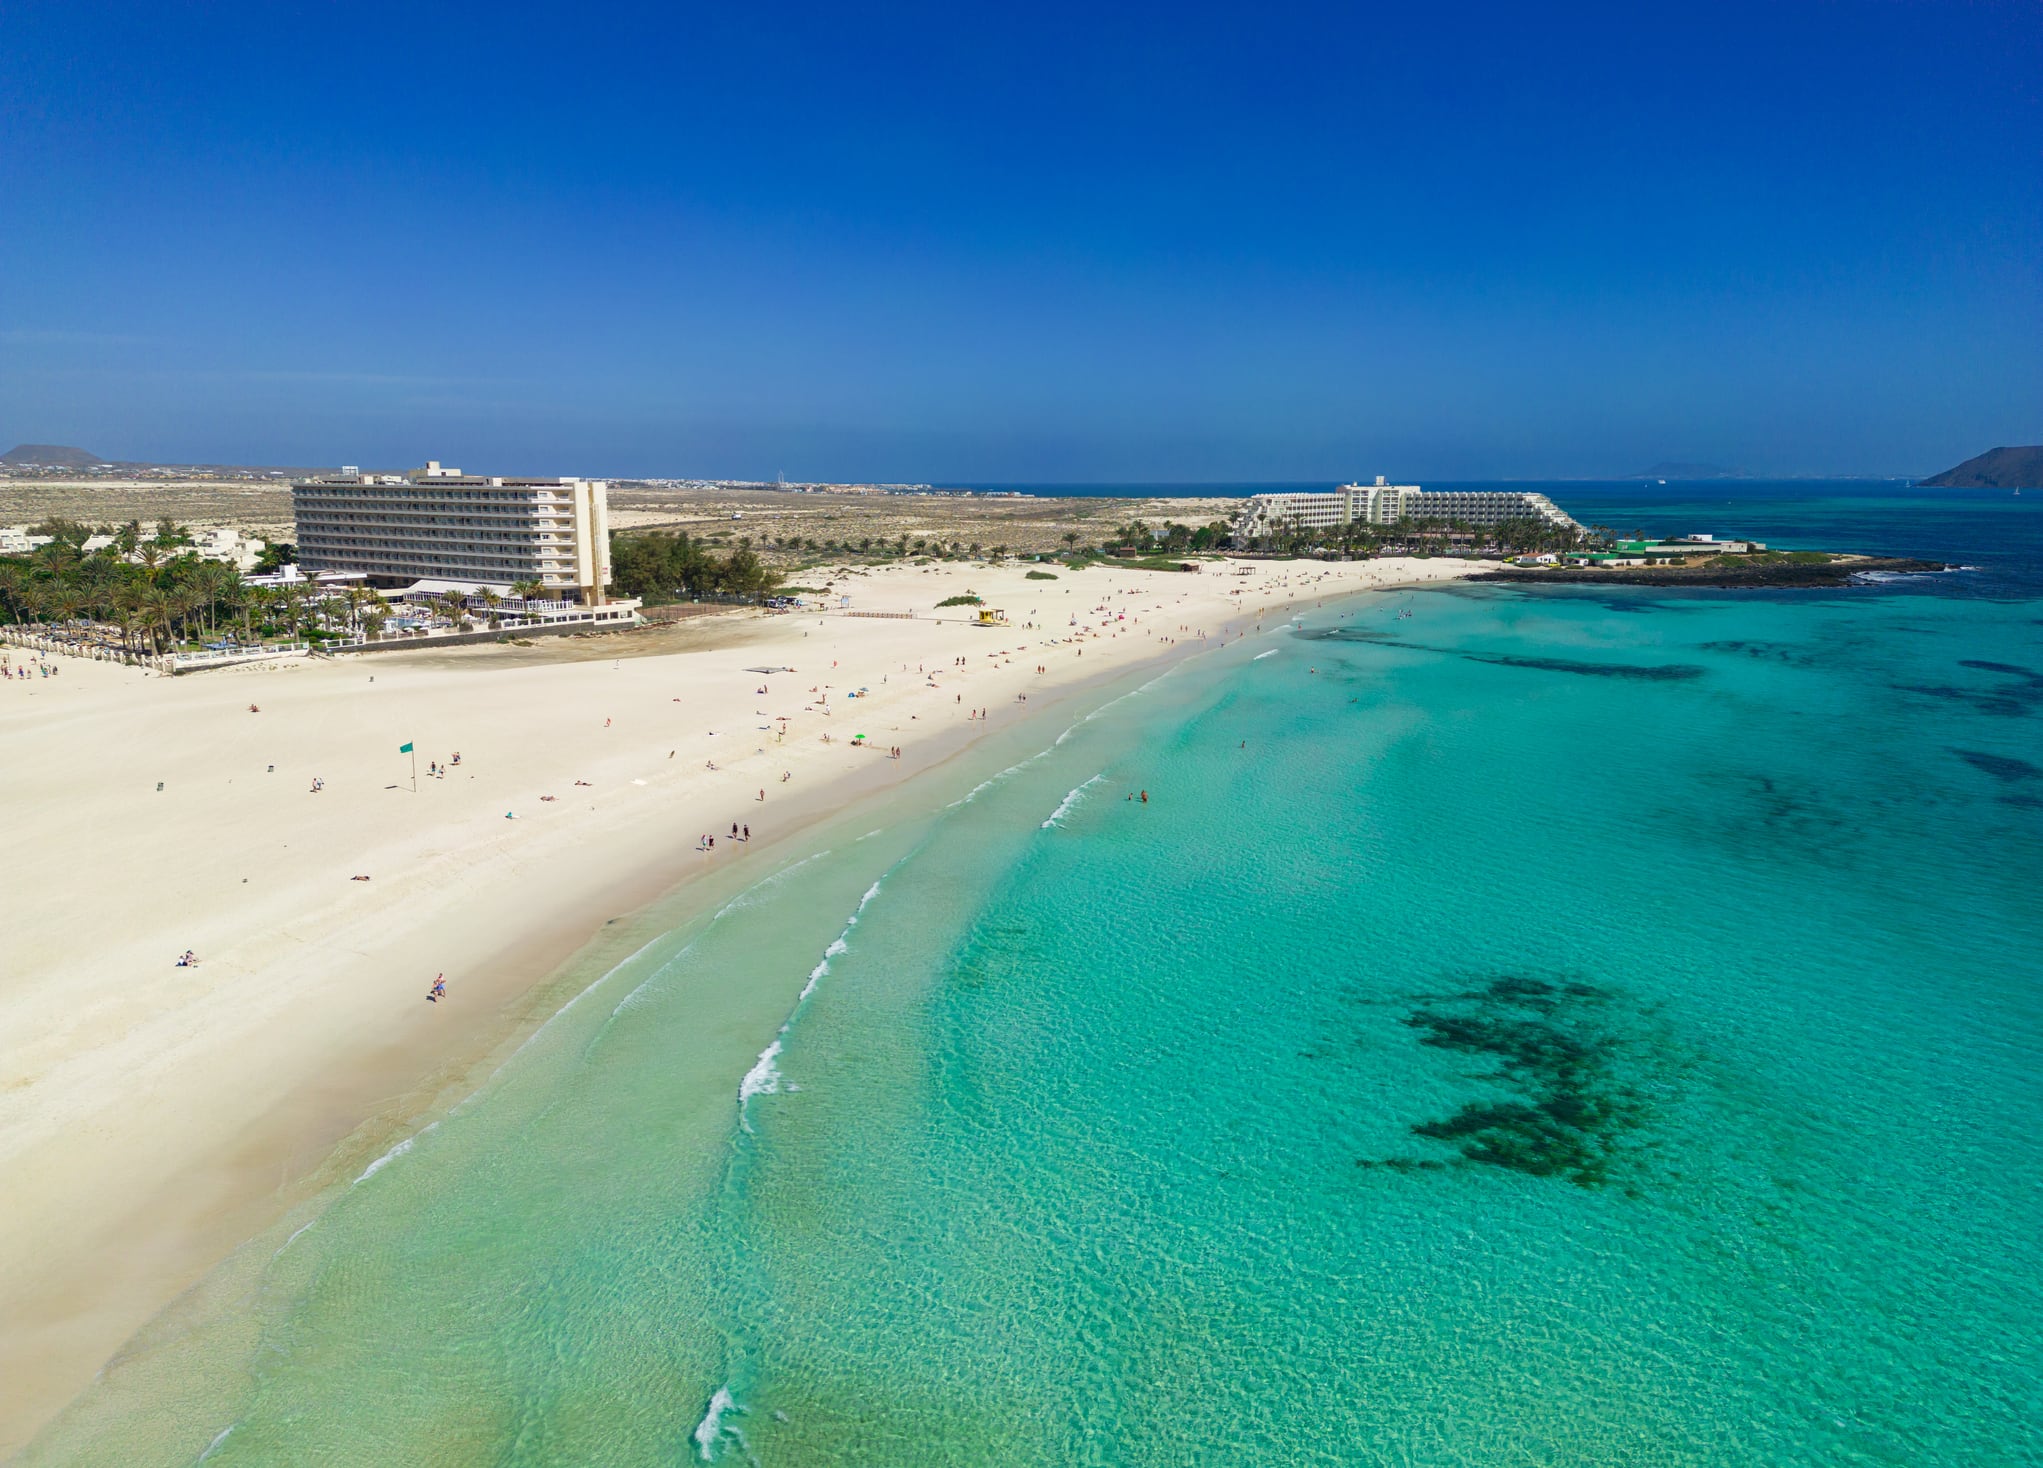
(1995, 469)
(52, 454)
(1672, 470)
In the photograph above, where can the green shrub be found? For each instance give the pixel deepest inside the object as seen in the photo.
(1040, 576)
(967, 600)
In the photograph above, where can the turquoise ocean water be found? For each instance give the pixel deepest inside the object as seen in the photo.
(1519, 1028)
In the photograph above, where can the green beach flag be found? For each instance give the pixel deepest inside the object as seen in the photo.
(404, 749)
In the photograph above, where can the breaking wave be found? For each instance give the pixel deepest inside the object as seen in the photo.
(710, 1430)
(1077, 793)
(389, 1157)
(764, 1078)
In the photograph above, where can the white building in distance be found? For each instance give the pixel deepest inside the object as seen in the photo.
(16, 541)
(1386, 504)
(209, 543)
(439, 524)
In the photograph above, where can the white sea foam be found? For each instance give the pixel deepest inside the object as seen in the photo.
(1261, 655)
(299, 1230)
(764, 1078)
(214, 1446)
(585, 993)
(711, 1427)
(389, 1157)
(1078, 793)
(1081, 723)
(744, 899)
(991, 780)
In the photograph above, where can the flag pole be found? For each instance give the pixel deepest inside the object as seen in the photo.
(414, 767)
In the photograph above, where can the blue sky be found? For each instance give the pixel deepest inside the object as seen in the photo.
(1025, 243)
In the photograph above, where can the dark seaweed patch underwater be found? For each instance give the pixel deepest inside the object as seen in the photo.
(2009, 700)
(1653, 672)
(1767, 652)
(2000, 766)
(1656, 672)
(1561, 1054)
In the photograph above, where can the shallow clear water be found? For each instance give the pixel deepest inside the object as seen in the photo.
(1542, 1028)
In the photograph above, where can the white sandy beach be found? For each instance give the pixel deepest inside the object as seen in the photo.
(154, 1116)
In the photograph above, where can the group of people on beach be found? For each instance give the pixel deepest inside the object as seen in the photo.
(739, 832)
(46, 670)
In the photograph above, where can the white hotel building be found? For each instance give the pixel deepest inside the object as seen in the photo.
(1386, 504)
(437, 524)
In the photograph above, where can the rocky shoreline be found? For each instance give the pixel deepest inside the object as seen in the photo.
(1722, 572)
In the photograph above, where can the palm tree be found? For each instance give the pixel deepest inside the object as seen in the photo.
(128, 611)
(253, 599)
(68, 601)
(14, 585)
(219, 585)
(156, 608)
(234, 596)
(359, 599)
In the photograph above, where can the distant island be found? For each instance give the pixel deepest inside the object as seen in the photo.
(52, 455)
(1674, 470)
(2004, 468)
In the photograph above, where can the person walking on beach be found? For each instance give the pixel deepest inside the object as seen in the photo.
(439, 990)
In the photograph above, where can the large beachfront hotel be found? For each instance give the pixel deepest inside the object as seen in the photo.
(439, 525)
(1382, 503)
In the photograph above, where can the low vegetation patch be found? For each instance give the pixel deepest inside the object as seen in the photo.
(1040, 576)
(1787, 558)
(967, 600)
(1160, 563)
